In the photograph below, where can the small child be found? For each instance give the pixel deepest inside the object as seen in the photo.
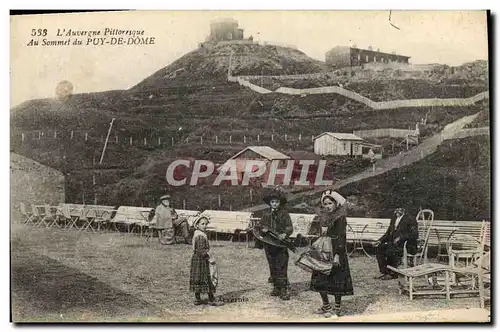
(201, 279)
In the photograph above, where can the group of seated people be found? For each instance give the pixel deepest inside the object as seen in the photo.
(389, 248)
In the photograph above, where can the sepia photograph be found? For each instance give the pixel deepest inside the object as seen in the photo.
(314, 166)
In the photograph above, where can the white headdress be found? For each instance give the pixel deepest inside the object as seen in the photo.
(333, 195)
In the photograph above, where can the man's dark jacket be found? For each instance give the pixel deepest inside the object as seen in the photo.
(407, 230)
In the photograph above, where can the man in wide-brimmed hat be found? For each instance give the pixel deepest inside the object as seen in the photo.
(168, 222)
(278, 221)
(402, 229)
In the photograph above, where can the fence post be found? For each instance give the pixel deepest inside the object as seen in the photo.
(312, 138)
(201, 140)
(159, 140)
(300, 137)
(216, 139)
(72, 134)
(285, 137)
(116, 139)
(172, 141)
(39, 136)
(244, 139)
(219, 201)
(272, 137)
(22, 137)
(258, 137)
(130, 140)
(145, 141)
(230, 139)
(86, 136)
(55, 134)
(187, 139)
(183, 204)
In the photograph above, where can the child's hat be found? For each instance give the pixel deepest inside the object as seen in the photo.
(199, 218)
(275, 194)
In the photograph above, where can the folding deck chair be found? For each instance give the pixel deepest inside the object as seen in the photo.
(51, 218)
(71, 219)
(27, 217)
(39, 218)
(82, 221)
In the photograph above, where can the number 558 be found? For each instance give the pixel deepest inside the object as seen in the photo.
(39, 32)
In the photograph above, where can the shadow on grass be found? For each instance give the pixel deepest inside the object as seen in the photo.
(357, 305)
(299, 287)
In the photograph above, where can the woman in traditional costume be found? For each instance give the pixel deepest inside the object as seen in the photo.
(327, 256)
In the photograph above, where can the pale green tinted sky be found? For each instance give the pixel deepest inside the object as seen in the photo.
(451, 37)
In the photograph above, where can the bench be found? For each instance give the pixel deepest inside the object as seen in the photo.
(234, 223)
(460, 234)
(132, 217)
(365, 230)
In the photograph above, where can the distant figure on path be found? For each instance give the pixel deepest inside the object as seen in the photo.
(390, 246)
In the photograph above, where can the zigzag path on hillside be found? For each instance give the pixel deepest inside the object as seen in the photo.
(427, 147)
(377, 105)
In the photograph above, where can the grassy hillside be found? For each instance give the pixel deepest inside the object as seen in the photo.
(191, 102)
(454, 182)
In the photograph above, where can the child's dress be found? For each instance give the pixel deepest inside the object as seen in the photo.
(200, 279)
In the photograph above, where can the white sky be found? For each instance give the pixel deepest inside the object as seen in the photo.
(451, 37)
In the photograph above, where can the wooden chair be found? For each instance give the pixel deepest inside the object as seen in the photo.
(425, 218)
(422, 272)
(484, 277)
(478, 270)
(470, 247)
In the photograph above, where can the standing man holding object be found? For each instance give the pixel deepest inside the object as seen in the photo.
(277, 221)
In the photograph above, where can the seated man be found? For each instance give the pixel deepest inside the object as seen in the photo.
(390, 246)
(169, 223)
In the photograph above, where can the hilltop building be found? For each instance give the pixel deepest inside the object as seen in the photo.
(346, 56)
(226, 31)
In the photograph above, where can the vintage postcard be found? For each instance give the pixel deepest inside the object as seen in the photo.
(250, 166)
